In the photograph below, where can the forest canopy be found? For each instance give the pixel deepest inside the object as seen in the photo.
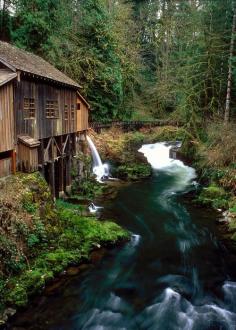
(135, 59)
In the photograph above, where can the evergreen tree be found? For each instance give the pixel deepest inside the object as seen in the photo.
(5, 19)
(34, 23)
(164, 58)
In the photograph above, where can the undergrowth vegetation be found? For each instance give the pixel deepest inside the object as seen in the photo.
(39, 239)
(215, 159)
(219, 148)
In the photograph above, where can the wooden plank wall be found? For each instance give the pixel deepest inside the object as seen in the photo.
(41, 127)
(5, 167)
(82, 116)
(6, 118)
(27, 158)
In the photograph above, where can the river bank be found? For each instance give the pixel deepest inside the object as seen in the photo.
(174, 273)
(39, 239)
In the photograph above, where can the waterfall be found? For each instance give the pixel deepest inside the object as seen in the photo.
(158, 155)
(99, 169)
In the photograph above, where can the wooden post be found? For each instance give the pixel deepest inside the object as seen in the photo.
(13, 162)
(41, 157)
(61, 169)
(68, 167)
(52, 178)
(52, 171)
(73, 144)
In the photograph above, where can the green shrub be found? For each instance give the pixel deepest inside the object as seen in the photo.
(32, 240)
(28, 202)
(87, 187)
(11, 257)
(133, 171)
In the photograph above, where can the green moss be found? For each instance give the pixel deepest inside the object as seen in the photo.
(233, 209)
(214, 196)
(17, 296)
(75, 244)
(133, 171)
(53, 247)
(30, 282)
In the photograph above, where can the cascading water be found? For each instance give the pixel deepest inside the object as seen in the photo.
(182, 176)
(158, 155)
(99, 169)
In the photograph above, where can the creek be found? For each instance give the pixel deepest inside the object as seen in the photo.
(174, 274)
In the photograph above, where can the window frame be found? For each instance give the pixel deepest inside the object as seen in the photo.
(72, 112)
(66, 112)
(52, 109)
(29, 108)
(78, 106)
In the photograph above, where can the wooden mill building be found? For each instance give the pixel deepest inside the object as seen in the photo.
(42, 118)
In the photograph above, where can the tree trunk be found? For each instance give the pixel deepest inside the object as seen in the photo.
(229, 82)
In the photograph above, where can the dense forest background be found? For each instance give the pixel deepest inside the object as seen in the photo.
(136, 59)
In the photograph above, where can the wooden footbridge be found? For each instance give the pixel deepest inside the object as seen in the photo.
(132, 125)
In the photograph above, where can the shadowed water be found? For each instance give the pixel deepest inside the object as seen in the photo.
(174, 274)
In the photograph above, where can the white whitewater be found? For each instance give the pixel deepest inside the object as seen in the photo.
(94, 208)
(99, 169)
(158, 156)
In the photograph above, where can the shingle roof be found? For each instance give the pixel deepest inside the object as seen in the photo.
(19, 59)
(6, 75)
(28, 141)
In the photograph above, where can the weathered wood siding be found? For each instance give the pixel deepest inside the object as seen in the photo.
(27, 158)
(6, 118)
(5, 167)
(42, 127)
(82, 115)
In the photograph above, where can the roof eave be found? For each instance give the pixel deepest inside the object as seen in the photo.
(8, 65)
(75, 86)
(84, 100)
(8, 79)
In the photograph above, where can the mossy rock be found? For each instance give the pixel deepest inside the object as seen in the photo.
(30, 282)
(214, 196)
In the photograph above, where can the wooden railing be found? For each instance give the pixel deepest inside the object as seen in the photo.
(132, 124)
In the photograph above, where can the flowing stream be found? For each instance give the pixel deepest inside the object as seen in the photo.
(174, 274)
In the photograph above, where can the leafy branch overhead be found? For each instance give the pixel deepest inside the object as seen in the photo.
(135, 59)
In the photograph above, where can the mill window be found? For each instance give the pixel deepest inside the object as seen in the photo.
(72, 112)
(66, 113)
(52, 110)
(78, 106)
(29, 108)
